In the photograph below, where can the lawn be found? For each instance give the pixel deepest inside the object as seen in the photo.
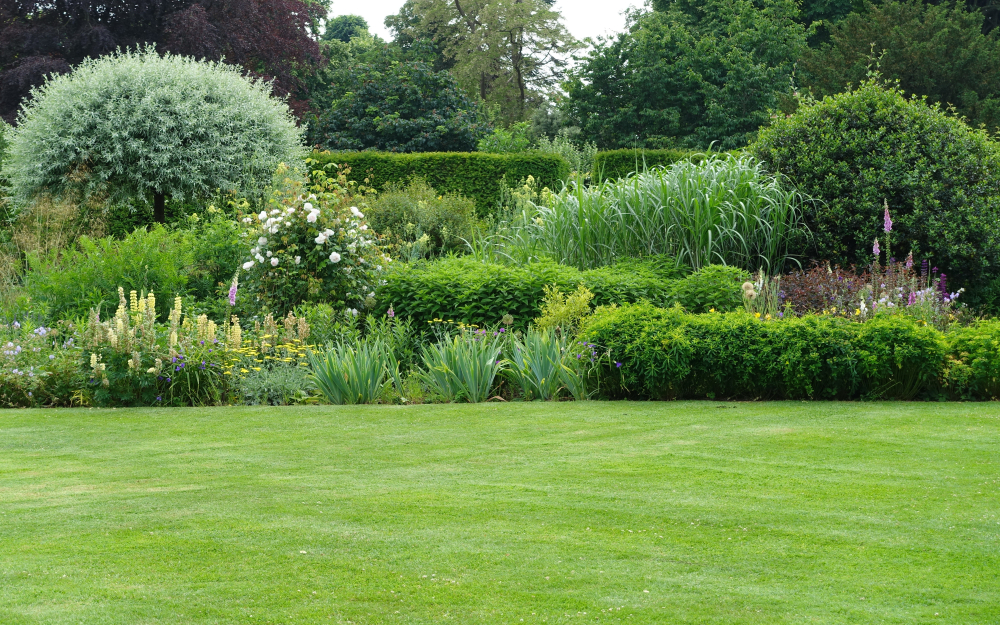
(690, 512)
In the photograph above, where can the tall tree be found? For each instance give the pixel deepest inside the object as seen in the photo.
(344, 28)
(693, 74)
(270, 38)
(508, 52)
(938, 51)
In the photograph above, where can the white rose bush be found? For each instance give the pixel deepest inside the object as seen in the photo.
(312, 247)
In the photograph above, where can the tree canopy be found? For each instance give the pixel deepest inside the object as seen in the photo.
(344, 28)
(936, 51)
(271, 38)
(691, 74)
(397, 106)
(134, 127)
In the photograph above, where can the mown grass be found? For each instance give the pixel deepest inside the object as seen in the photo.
(690, 512)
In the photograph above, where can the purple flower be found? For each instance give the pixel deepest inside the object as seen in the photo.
(887, 222)
(912, 300)
(391, 313)
(618, 365)
(232, 295)
(909, 260)
(943, 285)
(875, 249)
(159, 398)
(923, 267)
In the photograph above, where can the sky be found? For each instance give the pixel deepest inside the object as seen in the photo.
(583, 18)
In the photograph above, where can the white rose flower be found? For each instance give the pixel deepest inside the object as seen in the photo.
(364, 227)
(307, 206)
(260, 258)
(321, 239)
(334, 257)
(262, 216)
(311, 217)
(262, 241)
(275, 212)
(297, 259)
(356, 212)
(248, 265)
(274, 262)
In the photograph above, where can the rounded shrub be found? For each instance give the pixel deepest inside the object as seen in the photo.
(861, 150)
(139, 128)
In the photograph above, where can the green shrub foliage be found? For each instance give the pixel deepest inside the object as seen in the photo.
(466, 290)
(417, 221)
(667, 353)
(614, 164)
(858, 150)
(133, 125)
(474, 175)
(398, 107)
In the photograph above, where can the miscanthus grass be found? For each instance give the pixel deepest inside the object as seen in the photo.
(724, 210)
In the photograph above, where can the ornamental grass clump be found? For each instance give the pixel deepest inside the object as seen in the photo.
(310, 245)
(722, 210)
(464, 366)
(356, 374)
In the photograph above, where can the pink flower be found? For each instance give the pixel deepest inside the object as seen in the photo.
(391, 313)
(887, 223)
(875, 250)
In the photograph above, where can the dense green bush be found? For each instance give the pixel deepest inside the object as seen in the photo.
(614, 164)
(474, 175)
(417, 221)
(667, 353)
(464, 289)
(974, 362)
(131, 127)
(858, 150)
(73, 281)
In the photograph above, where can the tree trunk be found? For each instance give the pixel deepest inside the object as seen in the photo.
(159, 208)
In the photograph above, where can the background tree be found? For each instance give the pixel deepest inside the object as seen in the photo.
(397, 106)
(936, 51)
(508, 52)
(270, 38)
(691, 75)
(137, 127)
(344, 28)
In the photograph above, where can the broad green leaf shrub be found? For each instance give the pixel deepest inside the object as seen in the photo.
(667, 353)
(469, 291)
(127, 126)
(615, 164)
(860, 149)
(974, 361)
(74, 280)
(39, 365)
(511, 140)
(471, 174)
(419, 222)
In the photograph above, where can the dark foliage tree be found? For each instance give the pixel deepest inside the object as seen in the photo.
(697, 73)
(934, 51)
(344, 28)
(398, 107)
(270, 38)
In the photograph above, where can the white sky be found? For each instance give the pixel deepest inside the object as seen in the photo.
(583, 18)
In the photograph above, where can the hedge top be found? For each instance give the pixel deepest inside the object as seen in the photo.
(473, 174)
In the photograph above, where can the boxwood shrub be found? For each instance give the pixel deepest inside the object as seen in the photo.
(668, 353)
(473, 174)
(464, 289)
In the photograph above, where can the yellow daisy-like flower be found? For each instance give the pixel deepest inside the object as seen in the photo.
(757, 315)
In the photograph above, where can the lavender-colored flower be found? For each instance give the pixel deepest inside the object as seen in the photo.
(923, 267)
(875, 249)
(912, 300)
(909, 260)
(943, 285)
(618, 365)
(887, 221)
(232, 294)
(391, 313)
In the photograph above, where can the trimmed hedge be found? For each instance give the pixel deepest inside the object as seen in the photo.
(473, 174)
(614, 164)
(668, 354)
(466, 290)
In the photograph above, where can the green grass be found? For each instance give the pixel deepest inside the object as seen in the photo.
(551, 513)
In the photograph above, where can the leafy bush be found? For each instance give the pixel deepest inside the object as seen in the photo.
(418, 222)
(667, 353)
(310, 248)
(464, 289)
(39, 365)
(564, 312)
(579, 154)
(397, 107)
(511, 140)
(73, 281)
(474, 175)
(133, 126)
(859, 150)
(974, 361)
(713, 287)
(615, 164)
(726, 210)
